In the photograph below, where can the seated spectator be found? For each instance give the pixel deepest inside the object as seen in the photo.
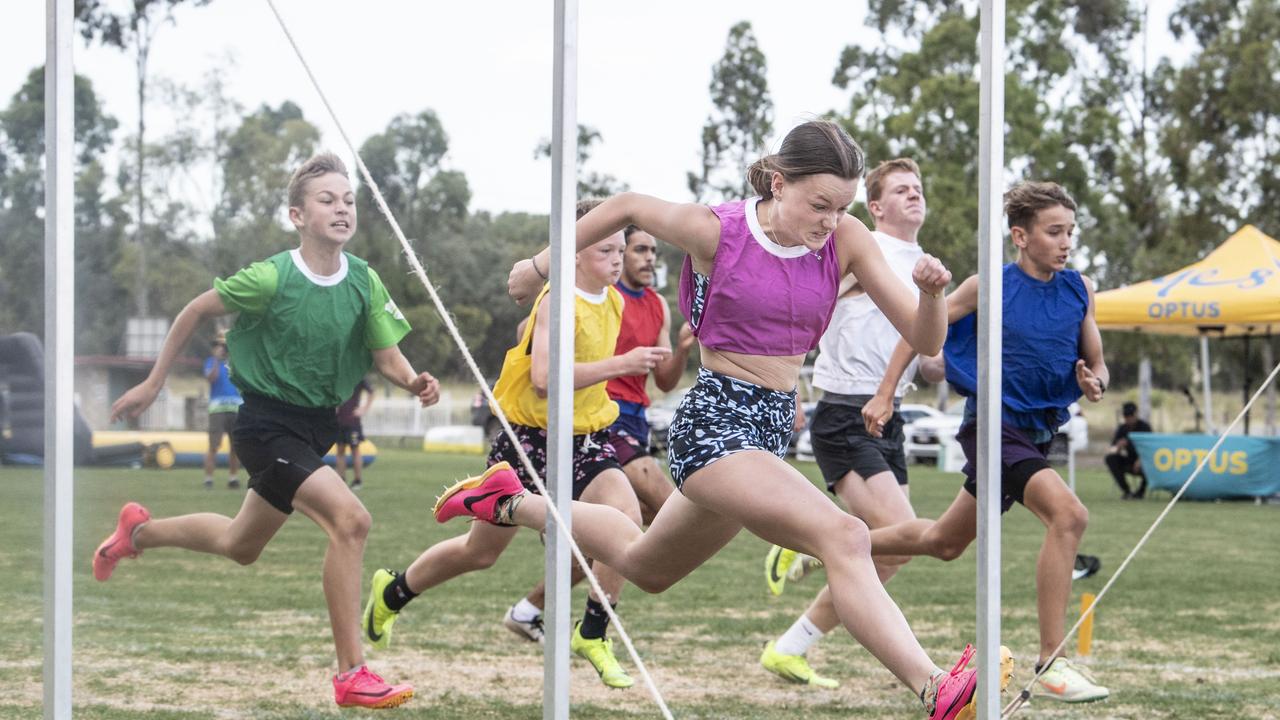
(1122, 459)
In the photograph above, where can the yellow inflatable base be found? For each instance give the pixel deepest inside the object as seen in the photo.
(187, 448)
(467, 439)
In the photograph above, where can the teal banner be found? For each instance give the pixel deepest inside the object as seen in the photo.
(1241, 467)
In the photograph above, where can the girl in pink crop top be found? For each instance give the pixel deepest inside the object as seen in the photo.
(759, 286)
(727, 310)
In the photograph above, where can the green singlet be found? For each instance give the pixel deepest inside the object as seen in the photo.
(303, 338)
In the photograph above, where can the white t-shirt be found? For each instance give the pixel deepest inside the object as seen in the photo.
(854, 352)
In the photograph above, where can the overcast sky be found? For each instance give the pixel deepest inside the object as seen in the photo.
(485, 68)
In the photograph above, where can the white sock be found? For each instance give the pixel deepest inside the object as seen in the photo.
(797, 641)
(525, 611)
(208, 479)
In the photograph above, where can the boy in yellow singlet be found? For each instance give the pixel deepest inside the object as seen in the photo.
(521, 391)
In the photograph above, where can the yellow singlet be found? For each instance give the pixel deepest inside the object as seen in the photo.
(595, 336)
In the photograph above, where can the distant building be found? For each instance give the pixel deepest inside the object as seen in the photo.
(181, 405)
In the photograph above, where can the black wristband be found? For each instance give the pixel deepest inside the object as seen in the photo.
(534, 261)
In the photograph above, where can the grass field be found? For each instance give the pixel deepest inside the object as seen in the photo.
(1191, 631)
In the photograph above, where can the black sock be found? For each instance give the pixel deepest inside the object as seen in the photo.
(594, 621)
(397, 594)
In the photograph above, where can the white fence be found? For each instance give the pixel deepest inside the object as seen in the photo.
(404, 416)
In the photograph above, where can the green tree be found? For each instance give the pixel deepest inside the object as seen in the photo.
(1077, 111)
(256, 160)
(741, 118)
(458, 251)
(428, 200)
(99, 220)
(133, 30)
(590, 182)
(920, 99)
(1223, 131)
(496, 243)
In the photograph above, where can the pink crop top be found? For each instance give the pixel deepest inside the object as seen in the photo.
(761, 298)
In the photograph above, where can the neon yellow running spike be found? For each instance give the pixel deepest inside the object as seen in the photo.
(599, 652)
(776, 564)
(378, 618)
(970, 711)
(794, 668)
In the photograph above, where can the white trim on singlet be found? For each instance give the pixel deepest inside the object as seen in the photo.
(592, 298)
(771, 247)
(321, 280)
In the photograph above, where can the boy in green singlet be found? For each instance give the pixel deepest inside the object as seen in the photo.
(312, 321)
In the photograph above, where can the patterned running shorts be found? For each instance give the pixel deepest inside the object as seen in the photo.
(721, 416)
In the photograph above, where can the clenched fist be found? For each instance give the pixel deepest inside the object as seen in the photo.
(930, 275)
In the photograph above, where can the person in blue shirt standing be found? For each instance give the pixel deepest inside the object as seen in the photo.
(224, 405)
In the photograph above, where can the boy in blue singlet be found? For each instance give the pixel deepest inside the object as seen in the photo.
(1052, 355)
(311, 323)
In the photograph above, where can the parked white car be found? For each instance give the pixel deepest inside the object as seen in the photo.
(911, 413)
(923, 437)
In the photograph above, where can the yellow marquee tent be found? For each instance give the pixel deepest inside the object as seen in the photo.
(1234, 290)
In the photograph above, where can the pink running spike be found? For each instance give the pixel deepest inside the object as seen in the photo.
(363, 688)
(479, 496)
(956, 689)
(120, 543)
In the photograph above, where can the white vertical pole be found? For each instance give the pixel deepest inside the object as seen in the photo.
(990, 350)
(59, 349)
(564, 158)
(1269, 361)
(1209, 425)
(1071, 464)
(1144, 388)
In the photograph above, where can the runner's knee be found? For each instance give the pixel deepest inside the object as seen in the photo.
(352, 526)
(843, 534)
(655, 582)
(244, 552)
(1072, 520)
(482, 555)
(632, 511)
(945, 547)
(949, 550)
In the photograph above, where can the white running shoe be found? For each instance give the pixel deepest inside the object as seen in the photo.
(1068, 682)
(528, 629)
(802, 566)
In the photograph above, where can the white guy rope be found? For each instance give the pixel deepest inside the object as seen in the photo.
(1023, 696)
(475, 370)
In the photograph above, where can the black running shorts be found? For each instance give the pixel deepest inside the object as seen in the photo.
(841, 444)
(281, 445)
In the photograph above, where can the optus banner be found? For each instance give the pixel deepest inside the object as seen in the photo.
(1240, 467)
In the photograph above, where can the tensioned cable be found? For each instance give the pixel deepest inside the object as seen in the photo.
(1025, 695)
(475, 369)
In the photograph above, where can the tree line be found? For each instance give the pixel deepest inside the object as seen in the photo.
(1165, 160)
